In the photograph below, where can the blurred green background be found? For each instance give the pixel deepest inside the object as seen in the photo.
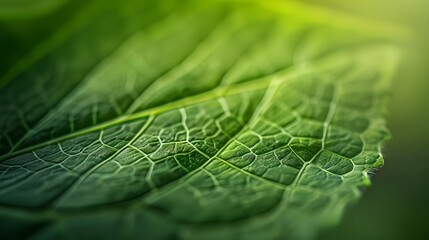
(396, 206)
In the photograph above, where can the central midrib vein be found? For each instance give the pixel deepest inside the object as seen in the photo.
(256, 84)
(206, 96)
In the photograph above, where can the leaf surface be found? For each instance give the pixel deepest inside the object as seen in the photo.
(215, 120)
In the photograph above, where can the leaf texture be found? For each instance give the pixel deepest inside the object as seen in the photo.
(215, 120)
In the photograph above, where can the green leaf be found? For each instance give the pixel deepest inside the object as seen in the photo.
(190, 120)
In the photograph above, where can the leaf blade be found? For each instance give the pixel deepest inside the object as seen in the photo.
(293, 138)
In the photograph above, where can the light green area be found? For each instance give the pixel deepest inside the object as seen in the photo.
(215, 120)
